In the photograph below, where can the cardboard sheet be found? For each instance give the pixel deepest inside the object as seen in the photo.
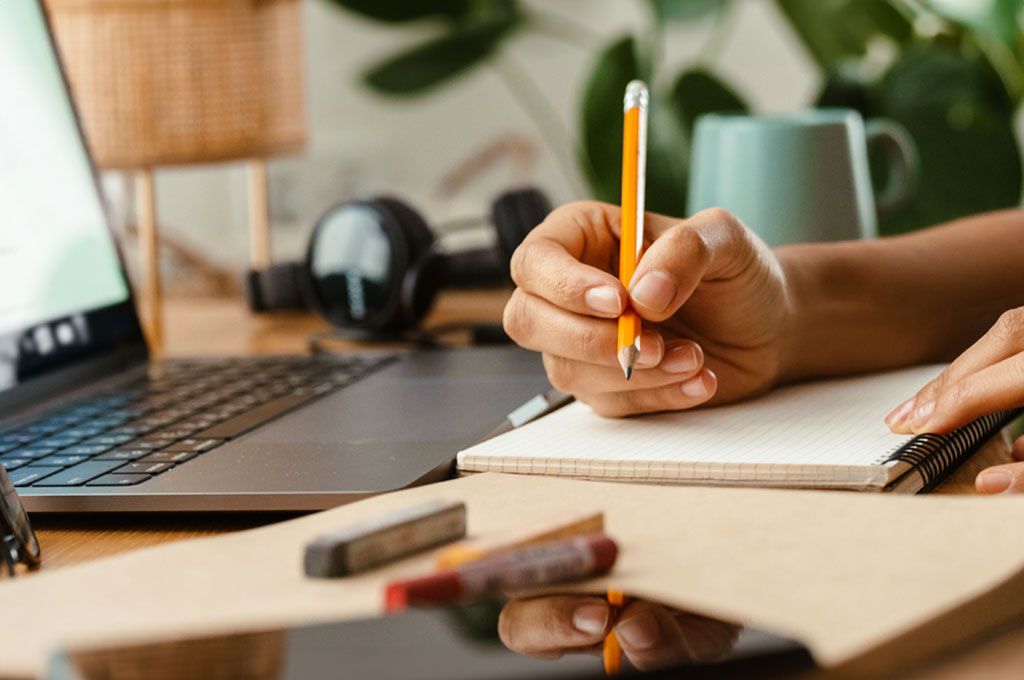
(853, 576)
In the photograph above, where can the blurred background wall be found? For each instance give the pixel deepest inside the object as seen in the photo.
(363, 143)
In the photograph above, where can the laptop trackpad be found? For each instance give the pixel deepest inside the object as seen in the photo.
(384, 432)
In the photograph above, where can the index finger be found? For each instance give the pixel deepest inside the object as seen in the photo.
(547, 627)
(568, 260)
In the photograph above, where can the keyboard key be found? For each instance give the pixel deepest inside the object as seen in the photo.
(170, 456)
(83, 431)
(41, 428)
(29, 474)
(59, 459)
(30, 452)
(123, 454)
(58, 441)
(151, 444)
(86, 449)
(14, 463)
(17, 439)
(175, 432)
(144, 468)
(109, 439)
(77, 475)
(195, 445)
(117, 479)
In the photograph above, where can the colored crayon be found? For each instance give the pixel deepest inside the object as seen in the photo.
(555, 562)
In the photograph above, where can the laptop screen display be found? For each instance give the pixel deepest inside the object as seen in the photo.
(63, 293)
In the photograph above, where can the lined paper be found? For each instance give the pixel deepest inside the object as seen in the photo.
(826, 433)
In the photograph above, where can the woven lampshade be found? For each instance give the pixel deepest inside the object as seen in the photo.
(164, 82)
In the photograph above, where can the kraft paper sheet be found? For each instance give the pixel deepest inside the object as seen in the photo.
(852, 576)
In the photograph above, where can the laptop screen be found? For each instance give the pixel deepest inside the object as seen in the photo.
(63, 292)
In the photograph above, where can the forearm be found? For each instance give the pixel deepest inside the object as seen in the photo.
(868, 305)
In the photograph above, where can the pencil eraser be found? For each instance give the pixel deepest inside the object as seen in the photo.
(385, 538)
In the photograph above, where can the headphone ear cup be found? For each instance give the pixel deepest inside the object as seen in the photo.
(420, 286)
(417, 289)
(514, 214)
(418, 237)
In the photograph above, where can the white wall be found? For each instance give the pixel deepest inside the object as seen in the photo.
(360, 143)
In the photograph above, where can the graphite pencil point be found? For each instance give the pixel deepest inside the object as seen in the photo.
(628, 357)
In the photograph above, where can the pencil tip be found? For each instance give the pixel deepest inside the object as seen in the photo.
(628, 357)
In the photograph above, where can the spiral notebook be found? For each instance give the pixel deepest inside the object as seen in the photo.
(826, 434)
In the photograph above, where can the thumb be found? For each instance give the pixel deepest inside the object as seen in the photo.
(1001, 479)
(712, 243)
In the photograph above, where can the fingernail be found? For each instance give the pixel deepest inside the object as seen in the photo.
(694, 387)
(640, 632)
(921, 415)
(899, 414)
(680, 359)
(996, 481)
(590, 618)
(650, 350)
(603, 300)
(654, 291)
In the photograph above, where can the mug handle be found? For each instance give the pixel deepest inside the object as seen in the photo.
(901, 156)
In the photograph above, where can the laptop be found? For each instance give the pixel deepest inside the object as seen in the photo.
(88, 423)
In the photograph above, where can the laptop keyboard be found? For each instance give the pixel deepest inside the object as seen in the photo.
(177, 411)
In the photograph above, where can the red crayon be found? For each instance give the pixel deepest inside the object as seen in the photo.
(541, 565)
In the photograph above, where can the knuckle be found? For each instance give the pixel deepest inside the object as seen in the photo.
(507, 629)
(932, 389)
(719, 216)
(517, 265)
(564, 288)
(956, 394)
(586, 340)
(560, 374)
(1010, 326)
(516, 318)
(689, 241)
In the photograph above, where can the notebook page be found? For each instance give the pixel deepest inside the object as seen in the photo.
(813, 431)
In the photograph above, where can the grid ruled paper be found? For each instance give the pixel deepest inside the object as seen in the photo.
(826, 433)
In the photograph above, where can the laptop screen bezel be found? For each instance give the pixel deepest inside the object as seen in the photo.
(103, 361)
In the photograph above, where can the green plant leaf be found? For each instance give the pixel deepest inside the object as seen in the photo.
(997, 18)
(935, 77)
(841, 91)
(602, 116)
(683, 10)
(602, 134)
(699, 91)
(961, 119)
(667, 154)
(836, 30)
(426, 66)
(399, 11)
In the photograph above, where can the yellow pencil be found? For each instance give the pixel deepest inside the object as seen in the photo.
(612, 650)
(631, 242)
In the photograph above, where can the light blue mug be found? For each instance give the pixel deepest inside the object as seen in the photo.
(801, 177)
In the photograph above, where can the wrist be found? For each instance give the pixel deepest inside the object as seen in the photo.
(792, 360)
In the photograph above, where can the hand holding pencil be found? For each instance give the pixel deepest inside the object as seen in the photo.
(711, 296)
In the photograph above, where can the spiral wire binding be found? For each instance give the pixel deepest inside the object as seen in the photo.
(935, 456)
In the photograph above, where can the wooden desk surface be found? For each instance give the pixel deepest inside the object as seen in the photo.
(196, 327)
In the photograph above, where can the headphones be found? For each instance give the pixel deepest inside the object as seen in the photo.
(373, 267)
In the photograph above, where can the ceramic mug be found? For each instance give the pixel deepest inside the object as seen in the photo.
(801, 177)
